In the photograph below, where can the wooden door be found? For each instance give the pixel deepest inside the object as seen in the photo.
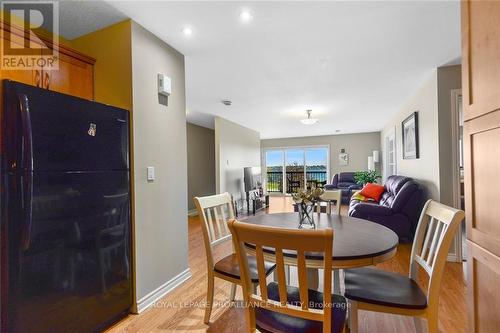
(74, 77)
(481, 97)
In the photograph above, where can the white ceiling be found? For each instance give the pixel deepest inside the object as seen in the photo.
(77, 18)
(352, 63)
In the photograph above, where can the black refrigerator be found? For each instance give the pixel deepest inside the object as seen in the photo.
(65, 212)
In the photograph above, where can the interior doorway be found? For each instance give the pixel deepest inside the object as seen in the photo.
(457, 118)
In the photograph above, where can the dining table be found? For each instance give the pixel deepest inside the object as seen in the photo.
(356, 242)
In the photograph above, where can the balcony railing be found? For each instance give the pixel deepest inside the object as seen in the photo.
(274, 181)
(294, 180)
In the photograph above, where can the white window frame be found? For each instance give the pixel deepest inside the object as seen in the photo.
(390, 170)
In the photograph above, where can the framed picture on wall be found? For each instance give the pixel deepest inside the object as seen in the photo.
(410, 137)
(343, 159)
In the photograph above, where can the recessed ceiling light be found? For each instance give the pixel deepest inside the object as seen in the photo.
(187, 31)
(246, 16)
(309, 120)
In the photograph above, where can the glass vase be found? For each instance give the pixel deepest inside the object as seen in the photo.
(306, 215)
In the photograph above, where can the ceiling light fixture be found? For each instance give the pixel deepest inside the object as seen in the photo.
(246, 16)
(309, 120)
(187, 31)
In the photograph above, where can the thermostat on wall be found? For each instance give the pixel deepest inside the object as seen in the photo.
(164, 85)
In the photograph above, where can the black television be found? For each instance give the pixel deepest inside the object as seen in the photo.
(252, 178)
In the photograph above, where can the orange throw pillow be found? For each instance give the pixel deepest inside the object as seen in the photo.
(373, 191)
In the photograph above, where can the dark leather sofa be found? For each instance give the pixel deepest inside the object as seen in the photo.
(398, 209)
(344, 181)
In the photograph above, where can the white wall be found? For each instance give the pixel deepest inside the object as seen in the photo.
(359, 146)
(161, 239)
(236, 147)
(426, 168)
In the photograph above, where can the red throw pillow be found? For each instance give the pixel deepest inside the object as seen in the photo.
(373, 191)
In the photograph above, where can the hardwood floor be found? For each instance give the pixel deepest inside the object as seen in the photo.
(182, 310)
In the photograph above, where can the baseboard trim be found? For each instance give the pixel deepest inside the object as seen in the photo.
(162, 290)
(192, 212)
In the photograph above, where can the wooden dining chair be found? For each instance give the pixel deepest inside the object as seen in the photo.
(329, 196)
(214, 212)
(382, 291)
(280, 307)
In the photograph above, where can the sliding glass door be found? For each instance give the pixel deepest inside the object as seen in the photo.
(294, 168)
(316, 167)
(294, 163)
(274, 169)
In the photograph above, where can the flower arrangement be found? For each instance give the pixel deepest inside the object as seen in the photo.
(307, 196)
(306, 200)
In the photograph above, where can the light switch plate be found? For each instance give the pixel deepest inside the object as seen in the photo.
(151, 173)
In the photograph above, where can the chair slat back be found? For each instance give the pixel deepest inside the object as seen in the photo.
(331, 195)
(300, 241)
(214, 211)
(436, 228)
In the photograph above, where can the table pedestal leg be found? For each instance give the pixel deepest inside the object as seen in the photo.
(287, 274)
(312, 278)
(336, 281)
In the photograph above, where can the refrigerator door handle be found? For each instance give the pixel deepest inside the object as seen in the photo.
(27, 171)
(27, 139)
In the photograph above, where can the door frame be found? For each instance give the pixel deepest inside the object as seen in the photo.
(456, 94)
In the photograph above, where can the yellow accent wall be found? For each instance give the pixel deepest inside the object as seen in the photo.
(112, 49)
